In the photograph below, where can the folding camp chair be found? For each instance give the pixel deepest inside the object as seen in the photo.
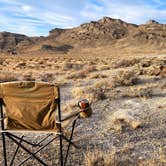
(33, 107)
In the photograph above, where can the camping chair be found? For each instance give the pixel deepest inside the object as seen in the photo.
(35, 107)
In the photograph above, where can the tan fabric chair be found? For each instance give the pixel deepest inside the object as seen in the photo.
(33, 107)
(30, 106)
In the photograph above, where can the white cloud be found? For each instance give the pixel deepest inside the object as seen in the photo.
(26, 8)
(53, 18)
(135, 13)
(26, 19)
(91, 11)
(24, 29)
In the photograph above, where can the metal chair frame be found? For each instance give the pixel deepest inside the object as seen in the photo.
(19, 140)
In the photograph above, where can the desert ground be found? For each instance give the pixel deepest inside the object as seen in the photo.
(128, 97)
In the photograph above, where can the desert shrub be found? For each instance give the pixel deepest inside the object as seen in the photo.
(91, 63)
(104, 84)
(89, 69)
(115, 157)
(82, 73)
(145, 92)
(163, 71)
(99, 89)
(1, 61)
(47, 77)
(99, 159)
(145, 63)
(32, 66)
(21, 65)
(8, 77)
(120, 157)
(41, 62)
(139, 92)
(100, 94)
(81, 92)
(152, 162)
(152, 70)
(125, 78)
(97, 75)
(28, 77)
(78, 92)
(69, 66)
(125, 63)
(163, 85)
(104, 67)
(77, 75)
(46, 59)
(124, 118)
(93, 93)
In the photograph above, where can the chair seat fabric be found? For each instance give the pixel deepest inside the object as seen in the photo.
(30, 105)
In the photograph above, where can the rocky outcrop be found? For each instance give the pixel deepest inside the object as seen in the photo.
(105, 31)
(105, 28)
(59, 49)
(56, 32)
(152, 22)
(9, 42)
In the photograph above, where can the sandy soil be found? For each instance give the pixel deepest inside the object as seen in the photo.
(128, 96)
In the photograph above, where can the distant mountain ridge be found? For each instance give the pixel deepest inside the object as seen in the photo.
(104, 32)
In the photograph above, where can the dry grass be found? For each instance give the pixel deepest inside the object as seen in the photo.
(21, 65)
(78, 92)
(104, 67)
(97, 76)
(28, 77)
(102, 84)
(69, 66)
(125, 63)
(152, 70)
(125, 78)
(95, 92)
(123, 118)
(47, 77)
(77, 75)
(8, 77)
(120, 157)
(99, 159)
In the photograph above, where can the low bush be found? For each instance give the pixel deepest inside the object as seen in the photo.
(8, 77)
(125, 78)
(125, 63)
(47, 77)
(77, 75)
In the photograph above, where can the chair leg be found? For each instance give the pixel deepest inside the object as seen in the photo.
(61, 149)
(3, 133)
(60, 127)
(4, 149)
(24, 148)
(68, 140)
(71, 136)
(34, 153)
(12, 160)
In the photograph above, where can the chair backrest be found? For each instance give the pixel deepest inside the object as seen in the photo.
(30, 105)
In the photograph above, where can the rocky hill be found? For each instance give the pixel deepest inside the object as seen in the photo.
(10, 42)
(106, 32)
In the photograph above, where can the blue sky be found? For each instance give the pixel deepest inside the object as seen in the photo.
(37, 17)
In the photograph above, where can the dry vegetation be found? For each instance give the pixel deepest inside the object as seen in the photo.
(128, 96)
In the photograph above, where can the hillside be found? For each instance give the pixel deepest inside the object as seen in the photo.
(105, 34)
